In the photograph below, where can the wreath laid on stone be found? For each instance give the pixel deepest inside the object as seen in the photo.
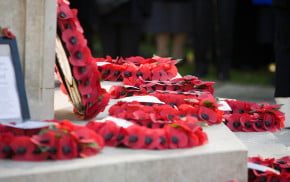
(281, 165)
(186, 104)
(61, 140)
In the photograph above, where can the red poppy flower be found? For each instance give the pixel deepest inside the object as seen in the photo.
(49, 141)
(164, 60)
(47, 138)
(73, 39)
(141, 115)
(208, 115)
(25, 150)
(282, 164)
(135, 137)
(135, 60)
(240, 106)
(110, 132)
(269, 122)
(5, 140)
(186, 109)
(8, 34)
(176, 136)
(72, 24)
(144, 71)
(64, 12)
(67, 147)
(129, 73)
(247, 123)
(80, 57)
(233, 122)
(202, 137)
(98, 105)
(89, 141)
(161, 140)
(171, 71)
(158, 73)
(259, 123)
(208, 100)
(152, 138)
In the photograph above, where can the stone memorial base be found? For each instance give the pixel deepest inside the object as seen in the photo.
(223, 159)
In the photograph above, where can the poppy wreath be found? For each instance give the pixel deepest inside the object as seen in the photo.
(178, 134)
(130, 70)
(84, 70)
(184, 85)
(176, 106)
(253, 117)
(282, 165)
(60, 141)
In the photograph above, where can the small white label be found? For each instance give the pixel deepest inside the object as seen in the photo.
(120, 122)
(145, 98)
(29, 124)
(259, 167)
(102, 63)
(224, 106)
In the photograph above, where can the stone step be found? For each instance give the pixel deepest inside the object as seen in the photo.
(223, 159)
(265, 144)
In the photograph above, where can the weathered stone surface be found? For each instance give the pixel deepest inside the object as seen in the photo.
(265, 144)
(223, 159)
(34, 24)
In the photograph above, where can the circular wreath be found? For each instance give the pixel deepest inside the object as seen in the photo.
(281, 164)
(87, 90)
(253, 117)
(134, 68)
(60, 141)
(178, 134)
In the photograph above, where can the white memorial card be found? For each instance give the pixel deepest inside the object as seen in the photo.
(9, 100)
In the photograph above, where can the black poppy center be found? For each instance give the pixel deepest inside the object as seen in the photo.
(73, 40)
(258, 124)
(79, 55)
(176, 88)
(37, 150)
(162, 140)
(148, 140)
(108, 136)
(106, 72)
(62, 14)
(83, 69)
(128, 74)
(6, 149)
(138, 73)
(133, 139)
(241, 111)
(123, 92)
(120, 137)
(282, 162)
(66, 149)
(52, 150)
(45, 141)
(267, 123)
(204, 116)
(236, 124)
(117, 73)
(248, 125)
(174, 139)
(21, 150)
